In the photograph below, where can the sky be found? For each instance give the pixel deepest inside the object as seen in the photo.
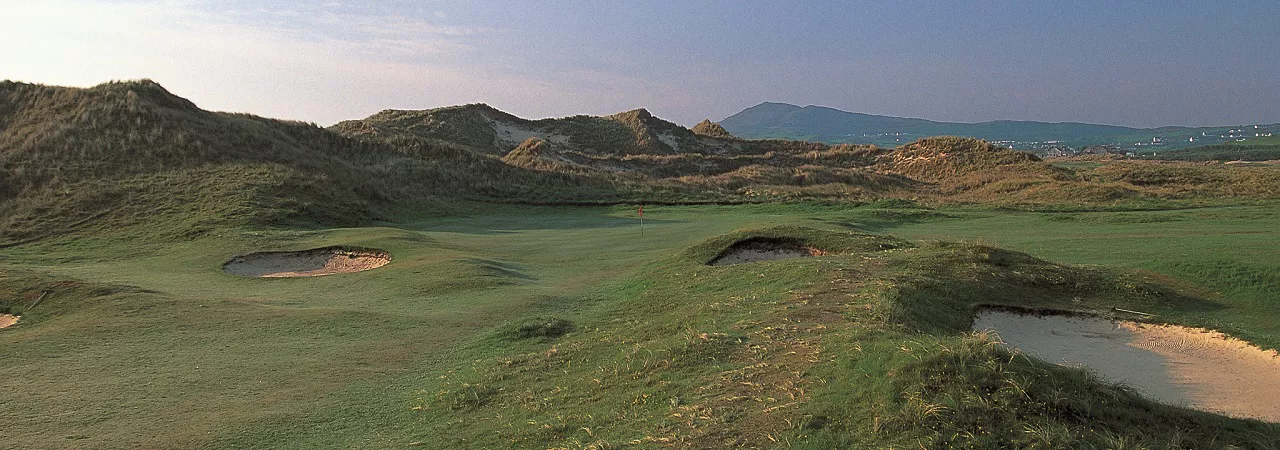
(1135, 63)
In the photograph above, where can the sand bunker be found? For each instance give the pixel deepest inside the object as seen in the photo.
(763, 249)
(1174, 365)
(307, 263)
(7, 320)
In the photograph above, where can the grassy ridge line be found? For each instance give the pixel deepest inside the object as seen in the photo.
(132, 154)
(632, 144)
(863, 349)
(131, 157)
(946, 168)
(1260, 149)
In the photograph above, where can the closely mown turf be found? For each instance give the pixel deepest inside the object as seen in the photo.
(564, 327)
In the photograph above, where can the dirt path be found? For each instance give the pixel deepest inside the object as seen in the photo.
(1170, 364)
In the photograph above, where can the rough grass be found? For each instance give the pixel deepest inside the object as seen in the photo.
(546, 328)
(118, 155)
(865, 347)
(1218, 253)
(781, 353)
(510, 325)
(111, 157)
(1260, 149)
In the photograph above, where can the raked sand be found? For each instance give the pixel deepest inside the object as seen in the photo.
(1170, 364)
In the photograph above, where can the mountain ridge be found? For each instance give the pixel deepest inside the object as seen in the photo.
(778, 120)
(1067, 122)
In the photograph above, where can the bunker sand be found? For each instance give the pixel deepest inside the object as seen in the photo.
(1170, 364)
(753, 250)
(306, 263)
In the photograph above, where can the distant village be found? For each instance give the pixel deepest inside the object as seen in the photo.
(1063, 151)
(1144, 146)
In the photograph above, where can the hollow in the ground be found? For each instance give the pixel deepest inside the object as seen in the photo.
(764, 249)
(307, 263)
(1167, 363)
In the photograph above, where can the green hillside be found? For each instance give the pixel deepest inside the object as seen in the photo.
(1256, 149)
(128, 154)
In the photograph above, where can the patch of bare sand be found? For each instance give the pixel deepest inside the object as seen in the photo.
(1170, 364)
(307, 263)
(7, 320)
(753, 250)
(508, 135)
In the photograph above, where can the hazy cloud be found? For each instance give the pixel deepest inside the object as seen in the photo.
(322, 67)
(325, 62)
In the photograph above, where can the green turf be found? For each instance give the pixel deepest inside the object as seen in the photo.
(149, 344)
(215, 351)
(1229, 252)
(1254, 149)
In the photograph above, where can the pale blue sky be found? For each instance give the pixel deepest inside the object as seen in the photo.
(1128, 63)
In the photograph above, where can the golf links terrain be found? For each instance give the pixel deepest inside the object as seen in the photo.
(540, 327)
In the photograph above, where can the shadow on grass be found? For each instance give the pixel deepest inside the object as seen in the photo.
(500, 269)
(516, 223)
(942, 286)
(878, 220)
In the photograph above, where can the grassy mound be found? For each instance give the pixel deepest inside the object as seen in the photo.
(127, 153)
(469, 126)
(867, 348)
(947, 158)
(711, 129)
(38, 297)
(536, 154)
(132, 155)
(1188, 180)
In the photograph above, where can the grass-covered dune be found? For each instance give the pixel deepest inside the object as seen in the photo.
(635, 145)
(866, 346)
(132, 155)
(121, 155)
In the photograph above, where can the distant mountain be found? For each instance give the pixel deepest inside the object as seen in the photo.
(822, 124)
